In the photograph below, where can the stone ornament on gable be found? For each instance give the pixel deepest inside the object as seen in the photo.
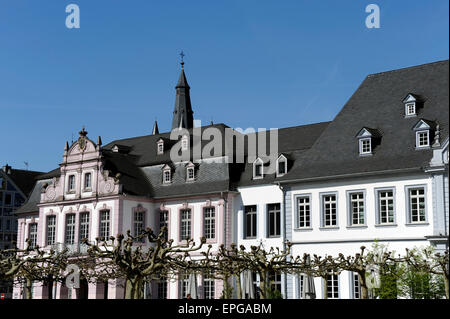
(50, 193)
(162, 206)
(185, 205)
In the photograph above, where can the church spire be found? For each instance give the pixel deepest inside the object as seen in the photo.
(155, 128)
(182, 113)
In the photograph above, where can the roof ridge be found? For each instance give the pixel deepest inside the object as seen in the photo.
(408, 68)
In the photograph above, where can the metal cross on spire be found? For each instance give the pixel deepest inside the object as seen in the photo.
(182, 56)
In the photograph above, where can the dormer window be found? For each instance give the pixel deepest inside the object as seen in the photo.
(365, 146)
(190, 172)
(258, 169)
(410, 102)
(281, 165)
(184, 143)
(167, 174)
(367, 139)
(423, 130)
(160, 147)
(422, 139)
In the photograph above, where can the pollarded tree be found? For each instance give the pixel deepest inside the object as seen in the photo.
(138, 263)
(428, 262)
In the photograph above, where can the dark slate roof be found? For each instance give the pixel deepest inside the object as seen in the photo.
(378, 104)
(24, 179)
(293, 143)
(30, 206)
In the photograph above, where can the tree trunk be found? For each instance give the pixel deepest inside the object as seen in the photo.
(363, 283)
(446, 287)
(325, 288)
(239, 288)
(263, 285)
(133, 288)
(28, 288)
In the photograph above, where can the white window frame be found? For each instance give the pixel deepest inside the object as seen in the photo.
(209, 222)
(307, 220)
(277, 225)
(409, 203)
(71, 188)
(139, 223)
(418, 134)
(378, 198)
(87, 187)
(190, 168)
(350, 211)
(165, 172)
(83, 226)
(164, 221)
(104, 229)
(334, 288)
(50, 237)
(361, 146)
(160, 148)
(323, 210)
(407, 108)
(209, 287)
(283, 160)
(257, 162)
(69, 231)
(185, 224)
(32, 234)
(254, 218)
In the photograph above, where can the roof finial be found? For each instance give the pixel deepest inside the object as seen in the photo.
(83, 132)
(182, 61)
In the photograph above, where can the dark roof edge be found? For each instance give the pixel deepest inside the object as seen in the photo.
(321, 178)
(408, 68)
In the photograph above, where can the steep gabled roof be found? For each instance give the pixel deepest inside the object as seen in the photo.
(378, 103)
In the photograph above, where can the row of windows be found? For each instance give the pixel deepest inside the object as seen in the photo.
(8, 225)
(332, 288)
(69, 230)
(209, 223)
(167, 174)
(251, 221)
(87, 183)
(11, 199)
(385, 208)
(258, 167)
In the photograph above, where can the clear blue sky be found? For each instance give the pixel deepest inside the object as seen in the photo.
(249, 64)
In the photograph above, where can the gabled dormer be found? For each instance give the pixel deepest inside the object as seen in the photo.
(411, 103)
(282, 165)
(117, 148)
(368, 138)
(166, 174)
(160, 146)
(190, 172)
(424, 130)
(258, 168)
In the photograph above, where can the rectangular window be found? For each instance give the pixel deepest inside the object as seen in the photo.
(422, 139)
(332, 286)
(357, 209)
(184, 282)
(164, 221)
(386, 206)
(208, 287)
(190, 174)
(167, 176)
(301, 286)
(329, 210)
(70, 229)
(281, 167)
(274, 217)
(139, 224)
(104, 224)
(258, 170)
(250, 221)
(162, 288)
(51, 230)
(209, 225)
(32, 234)
(417, 205)
(356, 286)
(304, 212)
(275, 281)
(185, 230)
(84, 226)
(365, 146)
(71, 183)
(8, 199)
(411, 109)
(87, 180)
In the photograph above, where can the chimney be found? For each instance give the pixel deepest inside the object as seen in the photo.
(7, 169)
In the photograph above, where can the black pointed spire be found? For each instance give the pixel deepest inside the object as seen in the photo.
(155, 128)
(182, 114)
